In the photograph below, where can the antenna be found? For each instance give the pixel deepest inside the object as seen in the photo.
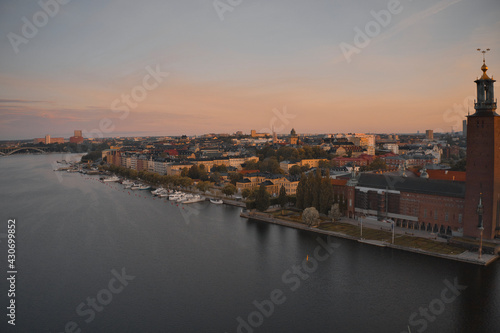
(483, 52)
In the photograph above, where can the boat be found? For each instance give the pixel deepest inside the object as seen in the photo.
(127, 182)
(135, 186)
(111, 179)
(144, 187)
(184, 197)
(216, 201)
(175, 196)
(158, 191)
(196, 198)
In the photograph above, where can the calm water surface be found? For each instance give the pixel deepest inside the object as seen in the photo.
(201, 267)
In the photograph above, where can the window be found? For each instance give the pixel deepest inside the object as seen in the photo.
(435, 215)
(425, 212)
(446, 216)
(459, 218)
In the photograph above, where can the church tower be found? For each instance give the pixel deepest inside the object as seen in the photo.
(483, 161)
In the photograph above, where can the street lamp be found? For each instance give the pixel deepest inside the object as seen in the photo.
(480, 211)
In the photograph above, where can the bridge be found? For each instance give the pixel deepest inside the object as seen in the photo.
(6, 151)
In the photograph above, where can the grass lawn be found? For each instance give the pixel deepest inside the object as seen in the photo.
(401, 240)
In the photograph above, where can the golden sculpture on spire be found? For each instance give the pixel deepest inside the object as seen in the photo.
(484, 68)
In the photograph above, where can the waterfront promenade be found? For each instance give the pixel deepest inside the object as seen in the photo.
(465, 256)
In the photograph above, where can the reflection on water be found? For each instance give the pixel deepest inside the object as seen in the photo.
(198, 270)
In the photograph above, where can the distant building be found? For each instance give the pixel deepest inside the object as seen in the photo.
(294, 138)
(48, 140)
(429, 135)
(77, 137)
(464, 128)
(254, 134)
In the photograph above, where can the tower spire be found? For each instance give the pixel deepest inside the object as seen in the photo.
(484, 68)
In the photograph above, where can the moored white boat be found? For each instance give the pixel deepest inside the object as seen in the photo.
(144, 187)
(196, 198)
(158, 191)
(216, 201)
(135, 186)
(127, 182)
(111, 179)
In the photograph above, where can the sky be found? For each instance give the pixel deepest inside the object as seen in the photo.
(156, 67)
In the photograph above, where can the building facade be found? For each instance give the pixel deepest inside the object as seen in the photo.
(483, 162)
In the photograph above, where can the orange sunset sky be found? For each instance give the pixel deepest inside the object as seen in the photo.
(229, 66)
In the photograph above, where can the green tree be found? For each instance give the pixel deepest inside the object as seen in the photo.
(326, 196)
(270, 165)
(229, 189)
(246, 193)
(300, 192)
(282, 198)
(295, 170)
(219, 168)
(377, 164)
(203, 186)
(324, 164)
(235, 177)
(459, 166)
(215, 177)
(262, 199)
(194, 172)
(252, 165)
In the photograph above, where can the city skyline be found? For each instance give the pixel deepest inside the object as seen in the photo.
(200, 68)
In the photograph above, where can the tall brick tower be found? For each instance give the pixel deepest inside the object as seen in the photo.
(483, 161)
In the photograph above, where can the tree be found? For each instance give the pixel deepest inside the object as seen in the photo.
(262, 199)
(300, 193)
(252, 165)
(229, 189)
(459, 166)
(219, 168)
(215, 177)
(295, 170)
(246, 193)
(305, 167)
(282, 198)
(235, 177)
(203, 186)
(310, 216)
(324, 164)
(377, 164)
(334, 212)
(270, 165)
(194, 172)
(326, 195)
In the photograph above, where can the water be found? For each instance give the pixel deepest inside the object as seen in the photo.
(200, 268)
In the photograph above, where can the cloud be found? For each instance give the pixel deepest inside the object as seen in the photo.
(415, 18)
(22, 101)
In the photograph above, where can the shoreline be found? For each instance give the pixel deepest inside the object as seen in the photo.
(466, 256)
